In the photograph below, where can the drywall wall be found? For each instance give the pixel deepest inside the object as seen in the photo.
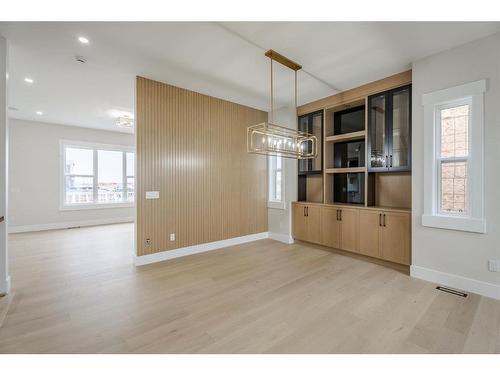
(459, 258)
(34, 176)
(4, 274)
(192, 149)
(279, 220)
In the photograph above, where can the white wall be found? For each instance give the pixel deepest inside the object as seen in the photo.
(4, 274)
(280, 221)
(34, 176)
(453, 257)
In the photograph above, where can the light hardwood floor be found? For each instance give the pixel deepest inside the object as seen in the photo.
(77, 291)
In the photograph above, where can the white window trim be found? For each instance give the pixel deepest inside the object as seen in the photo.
(274, 204)
(473, 220)
(63, 143)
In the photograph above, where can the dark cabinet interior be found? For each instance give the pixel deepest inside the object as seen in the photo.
(349, 154)
(349, 188)
(349, 120)
(389, 130)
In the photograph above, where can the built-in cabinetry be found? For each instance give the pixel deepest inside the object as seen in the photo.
(378, 233)
(310, 171)
(363, 191)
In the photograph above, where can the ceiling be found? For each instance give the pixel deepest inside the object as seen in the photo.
(224, 60)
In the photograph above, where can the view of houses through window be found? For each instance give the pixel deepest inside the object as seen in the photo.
(453, 158)
(97, 175)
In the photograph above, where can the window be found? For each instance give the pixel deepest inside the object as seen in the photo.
(96, 176)
(453, 158)
(276, 183)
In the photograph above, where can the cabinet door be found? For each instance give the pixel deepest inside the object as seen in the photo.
(399, 135)
(299, 222)
(349, 229)
(396, 237)
(330, 227)
(313, 124)
(313, 221)
(377, 133)
(369, 233)
(303, 127)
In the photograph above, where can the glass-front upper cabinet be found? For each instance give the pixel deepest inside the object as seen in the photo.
(389, 130)
(312, 123)
(399, 142)
(377, 129)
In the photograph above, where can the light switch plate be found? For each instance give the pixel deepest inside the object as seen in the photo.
(172, 236)
(152, 194)
(494, 265)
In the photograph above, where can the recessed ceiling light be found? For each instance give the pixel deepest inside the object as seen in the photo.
(28, 80)
(83, 40)
(39, 113)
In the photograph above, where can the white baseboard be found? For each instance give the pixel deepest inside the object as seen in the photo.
(455, 281)
(5, 286)
(82, 223)
(285, 238)
(195, 249)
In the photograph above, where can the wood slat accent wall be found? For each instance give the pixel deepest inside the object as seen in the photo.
(192, 149)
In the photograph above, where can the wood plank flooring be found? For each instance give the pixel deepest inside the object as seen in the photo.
(77, 291)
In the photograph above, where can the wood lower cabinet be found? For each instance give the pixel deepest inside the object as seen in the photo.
(395, 237)
(299, 226)
(383, 234)
(330, 227)
(349, 229)
(369, 236)
(307, 223)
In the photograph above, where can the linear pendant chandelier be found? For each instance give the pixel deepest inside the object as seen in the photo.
(271, 139)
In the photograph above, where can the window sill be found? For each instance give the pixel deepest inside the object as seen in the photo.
(276, 205)
(466, 224)
(96, 206)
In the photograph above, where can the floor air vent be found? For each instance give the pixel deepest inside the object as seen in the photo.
(451, 291)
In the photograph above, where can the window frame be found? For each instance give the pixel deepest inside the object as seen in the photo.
(473, 219)
(439, 160)
(95, 147)
(272, 172)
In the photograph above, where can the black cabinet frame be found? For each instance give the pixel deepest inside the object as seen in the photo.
(309, 117)
(388, 146)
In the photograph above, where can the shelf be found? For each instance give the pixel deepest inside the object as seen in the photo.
(345, 170)
(347, 137)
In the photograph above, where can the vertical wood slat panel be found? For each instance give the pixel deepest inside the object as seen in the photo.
(192, 149)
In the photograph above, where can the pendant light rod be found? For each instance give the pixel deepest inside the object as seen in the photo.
(273, 55)
(272, 97)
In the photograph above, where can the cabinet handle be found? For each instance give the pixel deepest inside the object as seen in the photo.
(391, 161)
(379, 220)
(337, 212)
(307, 210)
(384, 220)
(304, 210)
(386, 161)
(340, 215)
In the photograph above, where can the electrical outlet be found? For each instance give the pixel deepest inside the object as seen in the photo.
(494, 265)
(147, 242)
(172, 236)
